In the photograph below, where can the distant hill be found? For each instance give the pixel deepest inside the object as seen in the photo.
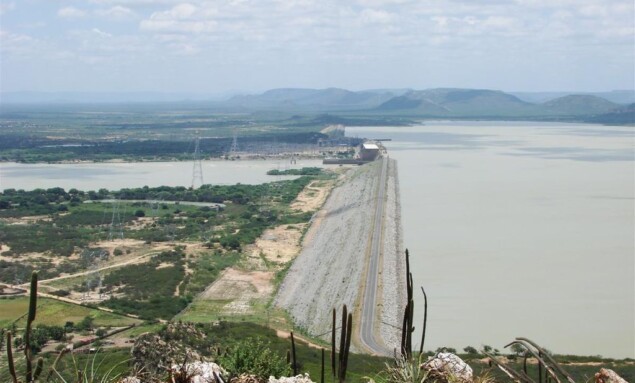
(458, 102)
(617, 96)
(371, 107)
(576, 105)
(311, 99)
(413, 100)
(624, 115)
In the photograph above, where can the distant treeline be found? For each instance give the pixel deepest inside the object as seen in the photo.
(26, 148)
(310, 171)
(46, 201)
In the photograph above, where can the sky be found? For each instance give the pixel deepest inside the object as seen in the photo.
(225, 46)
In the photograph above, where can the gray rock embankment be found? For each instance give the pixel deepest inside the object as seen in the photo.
(393, 279)
(328, 271)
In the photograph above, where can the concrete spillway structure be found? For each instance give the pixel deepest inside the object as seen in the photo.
(332, 268)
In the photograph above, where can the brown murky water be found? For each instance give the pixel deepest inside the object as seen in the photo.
(520, 229)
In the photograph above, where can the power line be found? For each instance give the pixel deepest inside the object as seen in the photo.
(197, 168)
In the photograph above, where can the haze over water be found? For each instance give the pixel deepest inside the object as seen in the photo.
(520, 229)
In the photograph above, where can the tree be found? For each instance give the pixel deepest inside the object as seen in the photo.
(139, 213)
(470, 350)
(86, 324)
(517, 349)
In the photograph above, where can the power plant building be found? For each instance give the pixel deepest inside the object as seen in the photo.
(369, 151)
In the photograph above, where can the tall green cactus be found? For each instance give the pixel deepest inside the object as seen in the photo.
(31, 375)
(28, 353)
(407, 328)
(333, 367)
(425, 320)
(294, 360)
(10, 357)
(339, 369)
(322, 369)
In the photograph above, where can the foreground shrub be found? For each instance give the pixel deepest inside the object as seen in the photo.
(253, 356)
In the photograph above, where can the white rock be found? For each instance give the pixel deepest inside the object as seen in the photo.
(130, 379)
(608, 376)
(447, 364)
(292, 379)
(201, 372)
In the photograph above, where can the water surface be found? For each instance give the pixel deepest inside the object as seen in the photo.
(114, 176)
(520, 229)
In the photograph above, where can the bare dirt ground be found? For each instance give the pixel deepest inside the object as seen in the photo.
(287, 335)
(27, 220)
(280, 244)
(240, 287)
(313, 196)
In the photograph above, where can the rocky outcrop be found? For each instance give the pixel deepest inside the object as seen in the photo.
(608, 376)
(197, 372)
(447, 367)
(155, 353)
(292, 379)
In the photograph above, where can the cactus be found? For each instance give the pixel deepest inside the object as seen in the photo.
(342, 343)
(30, 375)
(322, 369)
(425, 319)
(333, 344)
(407, 328)
(295, 362)
(28, 353)
(339, 369)
(347, 347)
(10, 358)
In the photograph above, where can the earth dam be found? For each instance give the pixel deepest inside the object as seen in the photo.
(352, 254)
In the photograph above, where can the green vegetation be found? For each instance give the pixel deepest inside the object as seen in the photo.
(84, 220)
(309, 358)
(255, 357)
(296, 172)
(142, 132)
(56, 313)
(149, 288)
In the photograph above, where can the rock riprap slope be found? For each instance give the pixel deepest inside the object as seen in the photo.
(330, 269)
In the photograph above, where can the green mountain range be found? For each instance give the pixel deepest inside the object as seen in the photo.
(430, 103)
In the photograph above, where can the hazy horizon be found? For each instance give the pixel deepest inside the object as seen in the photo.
(623, 96)
(240, 46)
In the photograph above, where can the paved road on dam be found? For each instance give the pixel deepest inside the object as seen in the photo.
(368, 330)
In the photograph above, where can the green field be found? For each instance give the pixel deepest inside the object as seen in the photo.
(52, 312)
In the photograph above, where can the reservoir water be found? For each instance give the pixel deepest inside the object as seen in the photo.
(114, 176)
(520, 229)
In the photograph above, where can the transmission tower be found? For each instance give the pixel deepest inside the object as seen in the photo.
(116, 226)
(197, 169)
(234, 148)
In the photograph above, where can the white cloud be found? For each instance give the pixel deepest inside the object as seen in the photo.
(283, 33)
(100, 33)
(134, 3)
(71, 13)
(184, 18)
(372, 16)
(178, 12)
(118, 12)
(6, 7)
